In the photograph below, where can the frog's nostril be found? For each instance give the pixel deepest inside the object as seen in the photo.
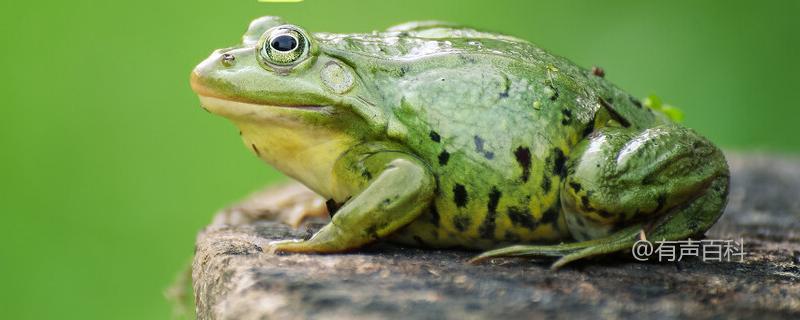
(228, 59)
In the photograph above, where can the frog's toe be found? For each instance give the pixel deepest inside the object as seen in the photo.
(285, 246)
(329, 239)
(303, 246)
(523, 250)
(301, 213)
(292, 204)
(568, 252)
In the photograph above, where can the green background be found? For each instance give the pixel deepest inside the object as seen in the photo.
(109, 167)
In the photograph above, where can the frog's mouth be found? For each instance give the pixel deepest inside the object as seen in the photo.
(227, 106)
(233, 108)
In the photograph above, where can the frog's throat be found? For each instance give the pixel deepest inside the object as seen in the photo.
(281, 137)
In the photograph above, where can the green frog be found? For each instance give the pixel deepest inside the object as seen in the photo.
(438, 135)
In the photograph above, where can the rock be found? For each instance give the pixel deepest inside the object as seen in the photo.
(234, 278)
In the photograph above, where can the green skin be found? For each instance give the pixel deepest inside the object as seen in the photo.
(438, 135)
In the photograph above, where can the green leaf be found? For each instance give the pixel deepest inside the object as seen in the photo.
(672, 112)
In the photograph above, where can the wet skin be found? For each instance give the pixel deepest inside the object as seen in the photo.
(439, 135)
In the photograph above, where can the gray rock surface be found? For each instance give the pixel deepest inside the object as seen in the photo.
(234, 278)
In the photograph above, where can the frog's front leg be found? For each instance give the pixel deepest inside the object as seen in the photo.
(666, 183)
(389, 188)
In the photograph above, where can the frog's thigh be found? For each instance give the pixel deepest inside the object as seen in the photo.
(665, 183)
(390, 201)
(619, 176)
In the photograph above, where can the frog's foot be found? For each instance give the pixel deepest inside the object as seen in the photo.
(303, 210)
(568, 252)
(387, 201)
(329, 239)
(290, 204)
(666, 181)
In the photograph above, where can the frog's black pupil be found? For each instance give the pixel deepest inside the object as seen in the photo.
(284, 43)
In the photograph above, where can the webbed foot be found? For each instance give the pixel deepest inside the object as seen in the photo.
(568, 252)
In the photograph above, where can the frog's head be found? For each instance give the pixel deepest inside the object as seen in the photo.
(297, 107)
(277, 65)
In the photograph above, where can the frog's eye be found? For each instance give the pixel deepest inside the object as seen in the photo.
(283, 46)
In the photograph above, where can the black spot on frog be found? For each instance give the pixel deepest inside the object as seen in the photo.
(460, 196)
(523, 156)
(486, 230)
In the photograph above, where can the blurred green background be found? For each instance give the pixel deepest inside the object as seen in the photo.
(109, 167)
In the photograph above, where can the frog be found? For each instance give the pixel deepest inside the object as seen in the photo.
(438, 135)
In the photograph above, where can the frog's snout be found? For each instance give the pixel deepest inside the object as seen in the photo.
(203, 75)
(198, 82)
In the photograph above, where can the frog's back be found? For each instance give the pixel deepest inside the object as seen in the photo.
(496, 118)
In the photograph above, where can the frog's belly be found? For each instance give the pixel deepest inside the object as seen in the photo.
(478, 229)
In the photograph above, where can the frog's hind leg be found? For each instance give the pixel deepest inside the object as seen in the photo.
(663, 183)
